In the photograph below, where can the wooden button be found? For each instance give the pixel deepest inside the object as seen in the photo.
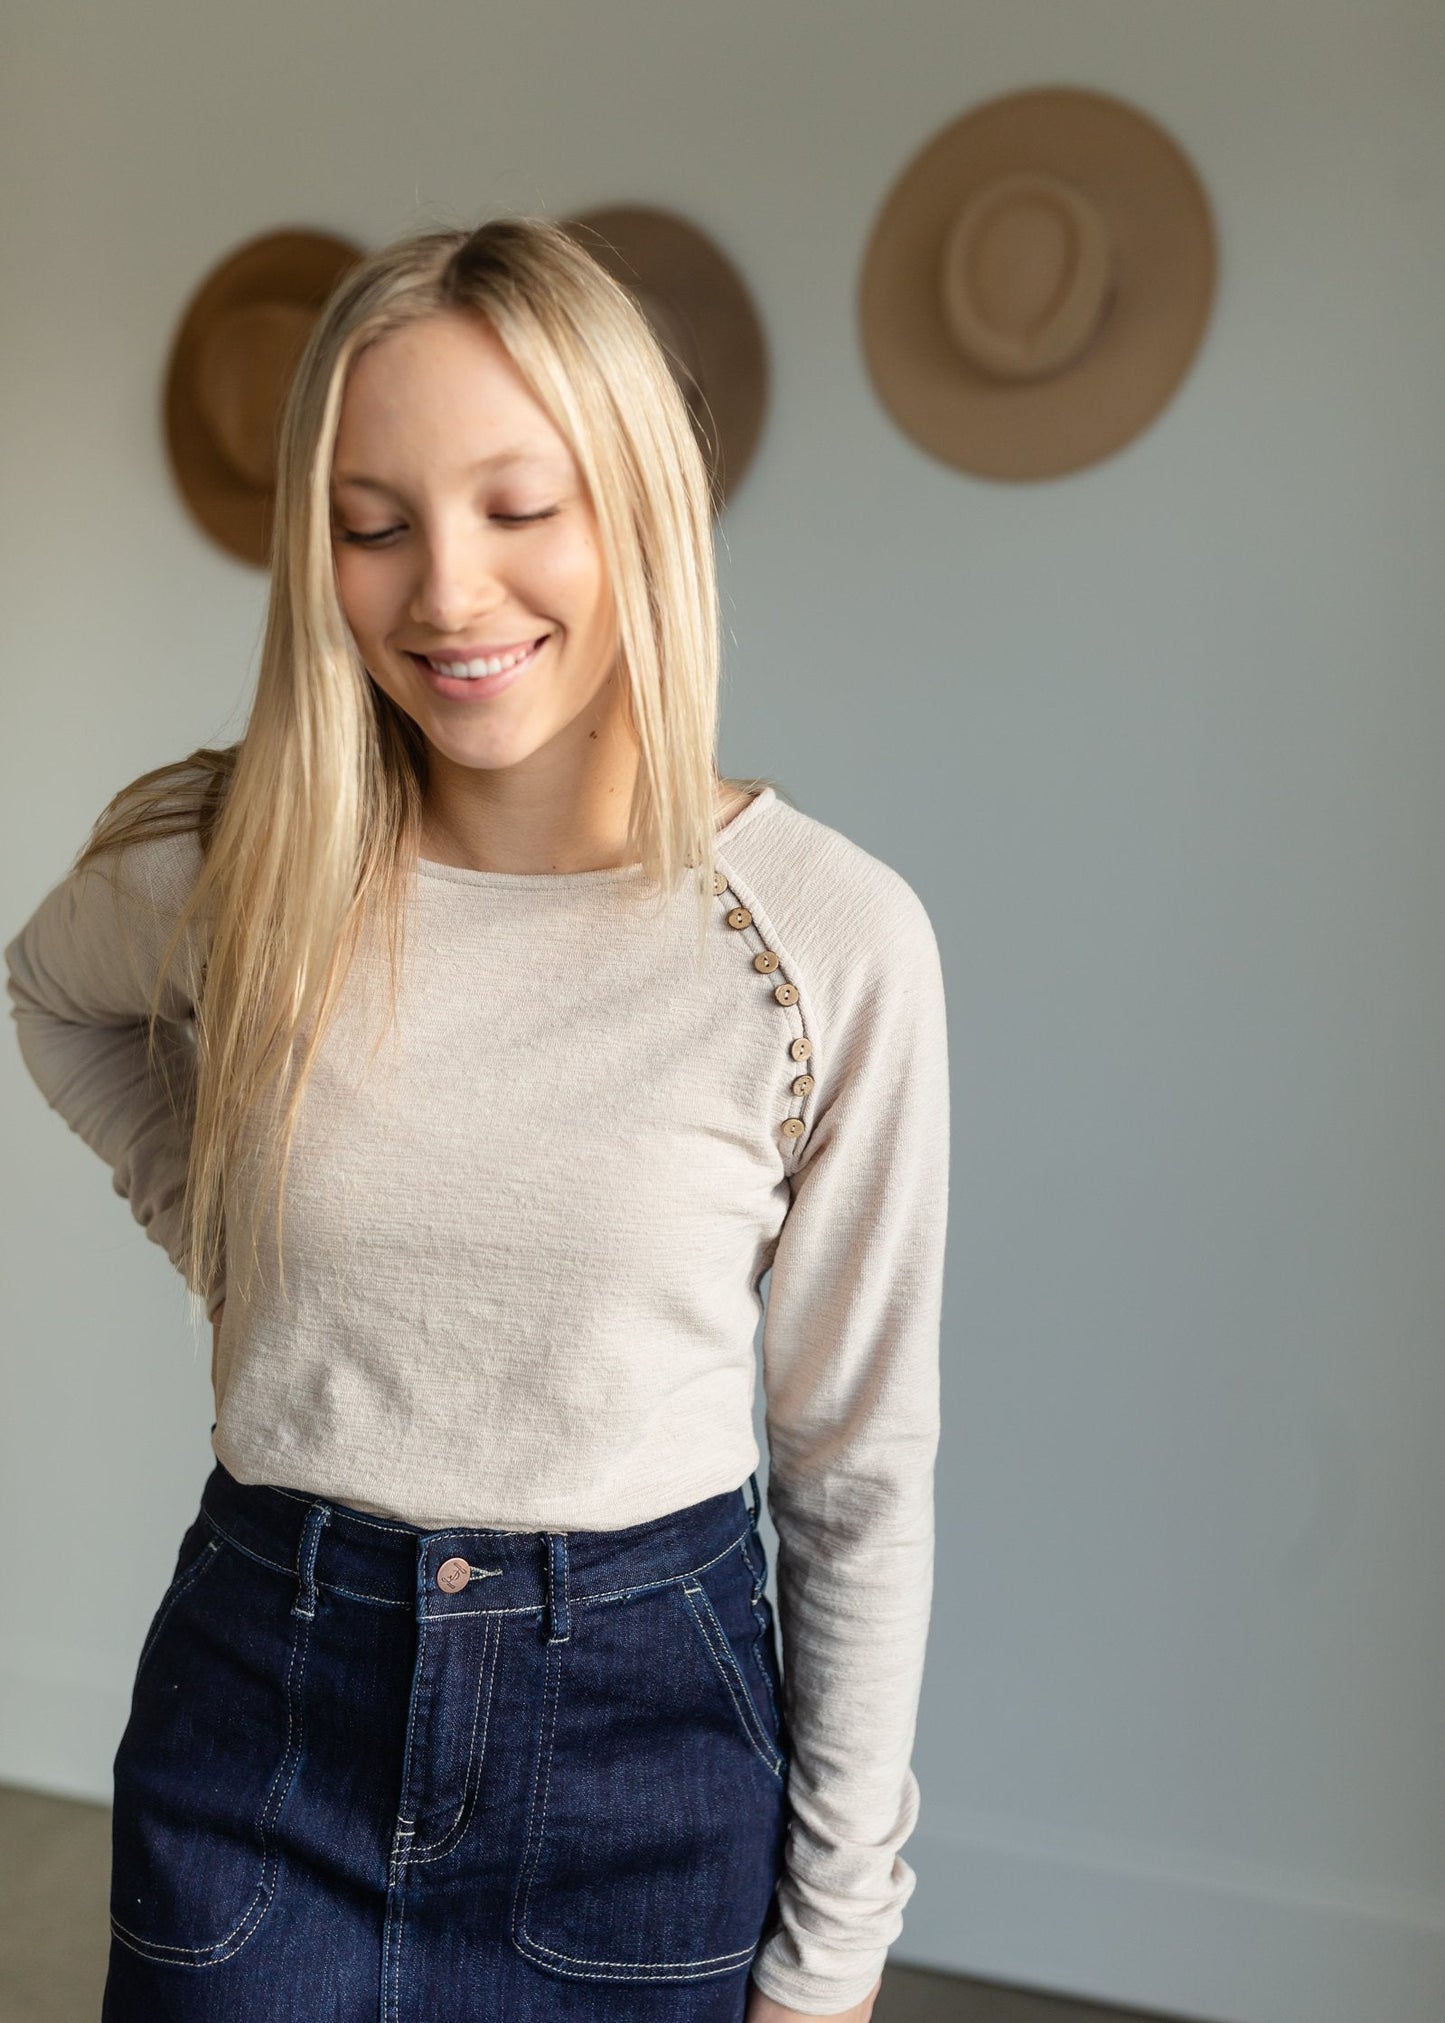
(793, 1127)
(740, 917)
(453, 1575)
(766, 961)
(786, 993)
(802, 1085)
(719, 881)
(800, 1049)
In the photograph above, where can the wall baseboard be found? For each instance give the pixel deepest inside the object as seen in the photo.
(1102, 1921)
(60, 1734)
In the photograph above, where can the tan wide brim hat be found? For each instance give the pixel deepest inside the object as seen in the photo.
(702, 314)
(1036, 283)
(231, 362)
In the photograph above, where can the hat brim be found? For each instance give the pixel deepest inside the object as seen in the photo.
(296, 266)
(1165, 249)
(669, 256)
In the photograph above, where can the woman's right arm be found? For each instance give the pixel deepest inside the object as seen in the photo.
(80, 975)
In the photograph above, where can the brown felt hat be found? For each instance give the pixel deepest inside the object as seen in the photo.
(702, 314)
(231, 362)
(1036, 283)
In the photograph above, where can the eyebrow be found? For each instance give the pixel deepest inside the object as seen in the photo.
(501, 458)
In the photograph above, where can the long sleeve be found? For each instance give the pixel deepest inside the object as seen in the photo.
(79, 975)
(851, 1376)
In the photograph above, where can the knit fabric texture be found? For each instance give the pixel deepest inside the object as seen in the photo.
(525, 1248)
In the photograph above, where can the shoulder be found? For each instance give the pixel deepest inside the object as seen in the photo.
(825, 890)
(147, 875)
(116, 911)
(95, 944)
(147, 843)
(848, 931)
(854, 938)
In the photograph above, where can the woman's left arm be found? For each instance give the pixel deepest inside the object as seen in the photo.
(763, 2009)
(852, 1383)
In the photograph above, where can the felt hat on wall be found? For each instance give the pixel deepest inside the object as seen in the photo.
(1036, 283)
(231, 362)
(702, 314)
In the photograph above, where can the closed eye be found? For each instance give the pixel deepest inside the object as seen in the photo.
(359, 540)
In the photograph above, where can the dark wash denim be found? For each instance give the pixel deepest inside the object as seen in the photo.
(345, 1795)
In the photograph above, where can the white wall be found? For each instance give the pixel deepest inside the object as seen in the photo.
(1158, 744)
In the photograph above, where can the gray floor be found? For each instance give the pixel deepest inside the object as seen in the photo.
(54, 1884)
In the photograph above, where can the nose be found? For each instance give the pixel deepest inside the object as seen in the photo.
(458, 581)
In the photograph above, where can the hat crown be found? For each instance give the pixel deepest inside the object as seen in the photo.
(1027, 275)
(1037, 283)
(701, 314)
(673, 332)
(243, 368)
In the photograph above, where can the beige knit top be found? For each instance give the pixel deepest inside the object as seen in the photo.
(524, 1251)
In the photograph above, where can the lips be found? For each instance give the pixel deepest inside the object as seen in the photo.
(464, 687)
(462, 656)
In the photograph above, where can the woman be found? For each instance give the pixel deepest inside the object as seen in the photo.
(465, 1700)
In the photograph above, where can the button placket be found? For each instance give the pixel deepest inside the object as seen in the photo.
(766, 961)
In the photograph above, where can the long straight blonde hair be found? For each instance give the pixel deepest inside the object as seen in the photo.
(309, 826)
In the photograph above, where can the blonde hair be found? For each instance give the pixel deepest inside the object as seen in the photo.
(310, 824)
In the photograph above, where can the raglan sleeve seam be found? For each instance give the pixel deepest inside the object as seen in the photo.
(851, 1375)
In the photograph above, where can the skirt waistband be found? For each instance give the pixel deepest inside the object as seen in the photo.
(467, 1571)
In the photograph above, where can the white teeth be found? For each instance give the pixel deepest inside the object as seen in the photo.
(473, 670)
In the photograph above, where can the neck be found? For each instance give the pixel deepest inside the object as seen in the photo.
(496, 821)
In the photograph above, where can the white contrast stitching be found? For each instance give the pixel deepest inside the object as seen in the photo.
(471, 1786)
(722, 1657)
(260, 1902)
(760, 1578)
(612, 1970)
(182, 1584)
(449, 1615)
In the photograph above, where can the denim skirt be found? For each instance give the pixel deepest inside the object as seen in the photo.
(374, 1774)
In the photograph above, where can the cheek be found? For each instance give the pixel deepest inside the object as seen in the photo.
(591, 590)
(346, 585)
(569, 570)
(362, 594)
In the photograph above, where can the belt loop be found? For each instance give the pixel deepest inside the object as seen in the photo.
(305, 1603)
(557, 1614)
(760, 1570)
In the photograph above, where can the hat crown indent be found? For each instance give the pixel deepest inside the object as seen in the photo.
(1027, 275)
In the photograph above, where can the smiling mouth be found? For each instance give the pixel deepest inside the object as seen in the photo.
(478, 666)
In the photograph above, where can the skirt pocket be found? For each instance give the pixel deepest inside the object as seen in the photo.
(197, 1553)
(207, 1758)
(658, 1803)
(741, 1654)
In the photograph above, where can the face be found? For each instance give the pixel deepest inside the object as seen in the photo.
(463, 536)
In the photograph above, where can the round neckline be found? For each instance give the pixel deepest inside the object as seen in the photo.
(607, 874)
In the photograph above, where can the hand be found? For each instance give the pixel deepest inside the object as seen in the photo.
(216, 1339)
(763, 2009)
